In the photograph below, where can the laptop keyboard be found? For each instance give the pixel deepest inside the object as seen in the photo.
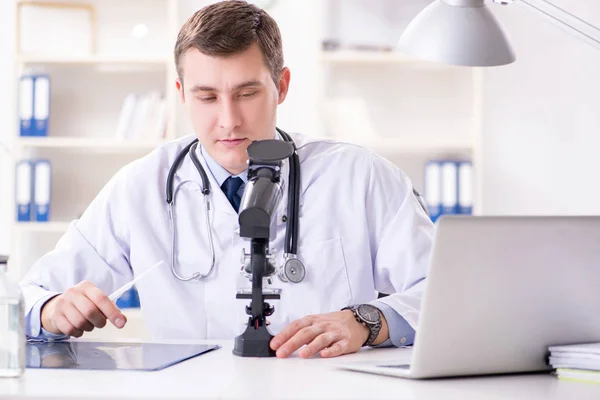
(398, 366)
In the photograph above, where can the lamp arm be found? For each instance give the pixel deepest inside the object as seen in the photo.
(573, 25)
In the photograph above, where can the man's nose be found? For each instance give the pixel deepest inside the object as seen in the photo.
(230, 116)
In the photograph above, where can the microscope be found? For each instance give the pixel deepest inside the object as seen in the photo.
(259, 201)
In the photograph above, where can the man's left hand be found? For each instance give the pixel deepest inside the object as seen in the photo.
(330, 335)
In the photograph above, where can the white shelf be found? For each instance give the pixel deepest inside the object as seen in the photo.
(44, 227)
(375, 57)
(91, 60)
(83, 143)
(410, 145)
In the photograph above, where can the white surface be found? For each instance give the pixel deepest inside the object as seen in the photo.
(138, 61)
(570, 23)
(355, 56)
(220, 374)
(89, 144)
(58, 227)
(414, 144)
(541, 120)
(8, 111)
(50, 30)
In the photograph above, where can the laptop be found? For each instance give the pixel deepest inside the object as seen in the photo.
(499, 291)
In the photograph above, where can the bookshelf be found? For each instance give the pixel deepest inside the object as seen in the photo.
(406, 109)
(82, 127)
(381, 106)
(87, 92)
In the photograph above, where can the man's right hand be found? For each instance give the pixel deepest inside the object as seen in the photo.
(80, 308)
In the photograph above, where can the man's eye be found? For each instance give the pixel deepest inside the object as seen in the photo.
(248, 94)
(207, 99)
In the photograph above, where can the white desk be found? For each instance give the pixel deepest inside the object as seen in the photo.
(219, 374)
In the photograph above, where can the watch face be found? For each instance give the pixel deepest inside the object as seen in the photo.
(369, 313)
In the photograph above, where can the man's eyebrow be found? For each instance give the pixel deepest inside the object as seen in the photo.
(243, 85)
(252, 83)
(202, 88)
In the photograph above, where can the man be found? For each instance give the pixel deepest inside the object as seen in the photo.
(361, 229)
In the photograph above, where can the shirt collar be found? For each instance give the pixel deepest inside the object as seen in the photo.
(218, 172)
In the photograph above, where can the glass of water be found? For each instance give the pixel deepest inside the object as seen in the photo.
(12, 326)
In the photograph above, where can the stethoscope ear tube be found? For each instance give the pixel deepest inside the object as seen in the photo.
(293, 269)
(203, 176)
(174, 168)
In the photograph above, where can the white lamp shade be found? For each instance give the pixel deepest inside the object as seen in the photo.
(460, 33)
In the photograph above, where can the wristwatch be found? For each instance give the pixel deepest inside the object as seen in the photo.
(370, 316)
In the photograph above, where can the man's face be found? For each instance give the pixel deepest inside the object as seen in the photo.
(231, 102)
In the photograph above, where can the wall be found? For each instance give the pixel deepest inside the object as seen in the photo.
(540, 119)
(7, 119)
(541, 123)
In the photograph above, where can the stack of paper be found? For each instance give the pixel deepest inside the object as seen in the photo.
(577, 362)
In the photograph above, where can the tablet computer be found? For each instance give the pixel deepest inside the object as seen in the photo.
(111, 355)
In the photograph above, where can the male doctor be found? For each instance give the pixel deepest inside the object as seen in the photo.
(361, 229)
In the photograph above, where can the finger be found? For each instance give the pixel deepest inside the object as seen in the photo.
(337, 349)
(107, 307)
(319, 343)
(76, 318)
(304, 336)
(290, 331)
(64, 326)
(89, 311)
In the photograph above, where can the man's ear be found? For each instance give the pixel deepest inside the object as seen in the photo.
(179, 86)
(284, 84)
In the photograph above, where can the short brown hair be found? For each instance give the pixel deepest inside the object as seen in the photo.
(230, 27)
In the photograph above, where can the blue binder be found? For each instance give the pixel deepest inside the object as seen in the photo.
(43, 190)
(41, 105)
(23, 189)
(465, 187)
(433, 189)
(449, 187)
(26, 86)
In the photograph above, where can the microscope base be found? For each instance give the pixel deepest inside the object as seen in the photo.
(254, 343)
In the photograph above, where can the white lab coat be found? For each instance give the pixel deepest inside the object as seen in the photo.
(361, 231)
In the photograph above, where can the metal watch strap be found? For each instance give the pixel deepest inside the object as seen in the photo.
(374, 329)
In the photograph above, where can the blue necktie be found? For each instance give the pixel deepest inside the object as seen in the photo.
(230, 187)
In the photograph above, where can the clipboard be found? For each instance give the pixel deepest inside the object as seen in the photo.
(111, 355)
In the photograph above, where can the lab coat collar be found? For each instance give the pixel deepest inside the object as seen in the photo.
(187, 172)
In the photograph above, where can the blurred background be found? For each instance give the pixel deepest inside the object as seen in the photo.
(88, 86)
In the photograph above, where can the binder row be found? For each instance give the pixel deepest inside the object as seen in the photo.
(34, 105)
(33, 188)
(448, 187)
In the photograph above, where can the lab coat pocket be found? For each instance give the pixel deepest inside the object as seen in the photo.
(326, 286)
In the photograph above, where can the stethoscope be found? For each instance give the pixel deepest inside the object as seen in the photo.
(293, 270)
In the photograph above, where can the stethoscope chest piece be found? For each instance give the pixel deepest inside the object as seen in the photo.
(293, 270)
